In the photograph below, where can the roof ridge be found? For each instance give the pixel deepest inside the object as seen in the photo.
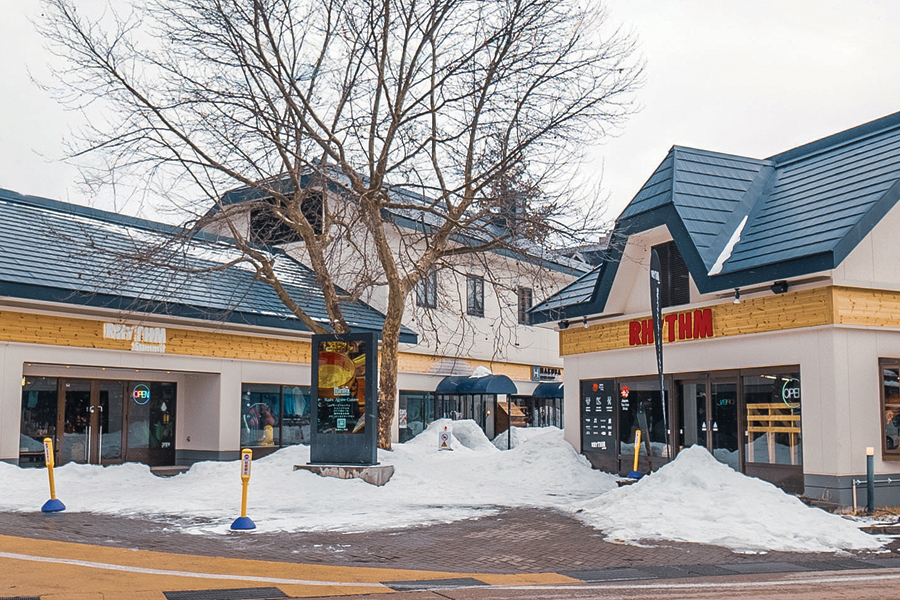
(836, 140)
(737, 157)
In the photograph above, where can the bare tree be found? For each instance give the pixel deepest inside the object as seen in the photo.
(385, 137)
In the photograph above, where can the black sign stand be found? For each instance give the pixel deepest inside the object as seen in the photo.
(599, 423)
(656, 308)
(347, 366)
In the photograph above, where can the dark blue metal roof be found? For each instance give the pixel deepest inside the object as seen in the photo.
(741, 221)
(548, 390)
(59, 252)
(579, 291)
(488, 384)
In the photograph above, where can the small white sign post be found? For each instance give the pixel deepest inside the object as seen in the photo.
(444, 439)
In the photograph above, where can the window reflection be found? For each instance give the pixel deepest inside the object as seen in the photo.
(274, 415)
(773, 418)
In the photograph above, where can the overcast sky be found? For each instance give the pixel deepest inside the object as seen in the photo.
(753, 77)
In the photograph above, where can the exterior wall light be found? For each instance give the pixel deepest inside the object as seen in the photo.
(737, 295)
(564, 324)
(779, 287)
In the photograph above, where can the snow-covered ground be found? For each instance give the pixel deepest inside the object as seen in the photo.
(694, 498)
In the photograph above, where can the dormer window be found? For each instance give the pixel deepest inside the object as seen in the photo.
(268, 229)
(675, 282)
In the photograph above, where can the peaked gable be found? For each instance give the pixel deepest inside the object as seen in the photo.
(741, 221)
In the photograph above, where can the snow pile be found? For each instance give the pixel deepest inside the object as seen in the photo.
(464, 435)
(520, 435)
(429, 486)
(695, 498)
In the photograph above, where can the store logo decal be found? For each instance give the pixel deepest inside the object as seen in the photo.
(143, 339)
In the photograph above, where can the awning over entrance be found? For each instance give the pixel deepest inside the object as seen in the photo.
(490, 384)
(548, 390)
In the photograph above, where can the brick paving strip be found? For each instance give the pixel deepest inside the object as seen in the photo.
(521, 541)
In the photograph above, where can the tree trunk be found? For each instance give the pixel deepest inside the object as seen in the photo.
(387, 388)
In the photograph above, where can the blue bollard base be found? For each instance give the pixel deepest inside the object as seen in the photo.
(243, 524)
(53, 505)
(635, 475)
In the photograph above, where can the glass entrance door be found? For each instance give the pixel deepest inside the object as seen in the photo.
(708, 417)
(92, 421)
(724, 427)
(151, 422)
(76, 442)
(692, 413)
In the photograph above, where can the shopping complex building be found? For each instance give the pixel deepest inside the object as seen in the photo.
(118, 357)
(780, 287)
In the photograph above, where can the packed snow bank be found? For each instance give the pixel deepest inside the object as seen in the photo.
(429, 486)
(464, 435)
(520, 435)
(695, 498)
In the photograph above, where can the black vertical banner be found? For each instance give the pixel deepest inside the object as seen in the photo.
(656, 309)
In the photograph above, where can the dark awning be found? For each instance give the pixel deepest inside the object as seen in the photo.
(449, 385)
(490, 384)
(548, 390)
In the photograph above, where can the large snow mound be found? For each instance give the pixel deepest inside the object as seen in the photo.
(429, 486)
(464, 435)
(695, 498)
(520, 435)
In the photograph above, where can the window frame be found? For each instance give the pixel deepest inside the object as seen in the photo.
(523, 306)
(884, 406)
(673, 270)
(475, 295)
(426, 290)
(277, 231)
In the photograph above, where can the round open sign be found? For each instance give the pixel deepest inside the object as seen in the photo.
(141, 394)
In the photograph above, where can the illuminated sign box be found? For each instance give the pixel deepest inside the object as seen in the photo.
(344, 383)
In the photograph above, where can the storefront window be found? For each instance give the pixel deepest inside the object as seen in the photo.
(640, 408)
(773, 418)
(542, 412)
(40, 400)
(274, 415)
(448, 406)
(416, 412)
(260, 411)
(295, 419)
(890, 386)
(151, 415)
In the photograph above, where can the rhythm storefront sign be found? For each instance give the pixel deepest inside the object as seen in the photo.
(688, 325)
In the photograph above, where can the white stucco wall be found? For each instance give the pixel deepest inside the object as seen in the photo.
(209, 389)
(839, 376)
(875, 261)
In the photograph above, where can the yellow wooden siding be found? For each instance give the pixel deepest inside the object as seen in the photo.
(867, 308)
(409, 362)
(805, 308)
(31, 328)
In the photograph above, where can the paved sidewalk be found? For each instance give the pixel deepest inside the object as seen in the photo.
(518, 541)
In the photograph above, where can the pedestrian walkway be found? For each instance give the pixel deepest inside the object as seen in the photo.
(522, 547)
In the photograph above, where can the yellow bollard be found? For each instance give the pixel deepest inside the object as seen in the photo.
(635, 474)
(244, 522)
(51, 505)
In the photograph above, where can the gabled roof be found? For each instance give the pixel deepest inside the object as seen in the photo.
(516, 247)
(741, 221)
(58, 252)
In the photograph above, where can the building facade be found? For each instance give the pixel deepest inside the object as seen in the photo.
(780, 289)
(119, 359)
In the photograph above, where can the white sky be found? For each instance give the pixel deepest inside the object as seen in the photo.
(745, 77)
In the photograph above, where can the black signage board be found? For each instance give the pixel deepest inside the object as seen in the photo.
(344, 383)
(598, 423)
